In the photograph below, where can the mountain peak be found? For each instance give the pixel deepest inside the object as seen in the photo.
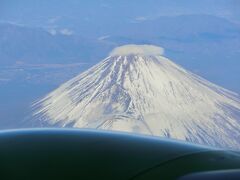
(138, 90)
(133, 49)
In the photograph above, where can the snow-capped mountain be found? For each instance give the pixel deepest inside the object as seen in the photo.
(138, 90)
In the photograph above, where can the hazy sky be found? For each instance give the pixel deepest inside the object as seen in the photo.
(26, 11)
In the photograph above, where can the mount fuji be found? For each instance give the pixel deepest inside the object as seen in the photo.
(136, 89)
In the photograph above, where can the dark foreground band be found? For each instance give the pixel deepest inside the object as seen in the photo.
(85, 154)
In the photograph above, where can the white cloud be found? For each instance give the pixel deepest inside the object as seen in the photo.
(141, 18)
(52, 32)
(137, 49)
(13, 23)
(103, 38)
(54, 19)
(66, 32)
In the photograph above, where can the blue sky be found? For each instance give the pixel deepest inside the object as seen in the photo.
(31, 10)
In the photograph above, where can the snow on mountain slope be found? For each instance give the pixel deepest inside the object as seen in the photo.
(138, 90)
